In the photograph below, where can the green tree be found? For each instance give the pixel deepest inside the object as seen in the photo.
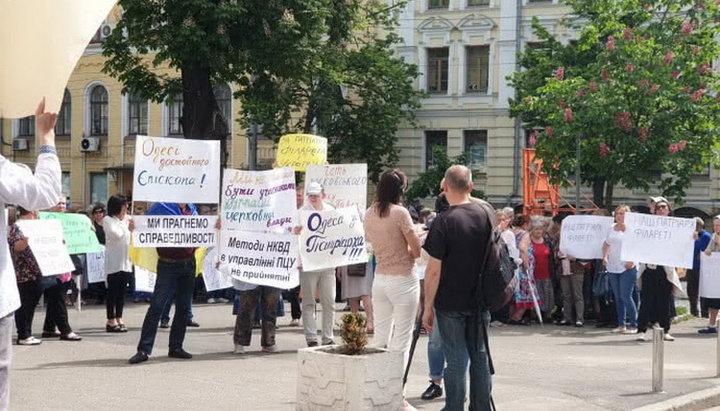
(634, 91)
(427, 184)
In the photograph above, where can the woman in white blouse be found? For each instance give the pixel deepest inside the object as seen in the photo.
(117, 225)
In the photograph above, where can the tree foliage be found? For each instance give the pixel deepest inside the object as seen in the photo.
(427, 184)
(635, 91)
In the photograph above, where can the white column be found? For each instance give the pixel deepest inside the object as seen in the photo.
(506, 57)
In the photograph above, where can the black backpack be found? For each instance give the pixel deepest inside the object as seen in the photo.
(497, 281)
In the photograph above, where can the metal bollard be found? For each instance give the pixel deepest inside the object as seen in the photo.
(658, 359)
(717, 359)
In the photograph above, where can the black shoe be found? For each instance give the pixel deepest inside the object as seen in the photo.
(138, 358)
(112, 328)
(312, 344)
(179, 353)
(192, 323)
(432, 392)
(165, 324)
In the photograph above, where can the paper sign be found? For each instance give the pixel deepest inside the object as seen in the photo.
(583, 236)
(41, 42)
(45, 238)
(144, 280)
(176, 170)
(260, 258)
(710, 275)
(95, 267)
(331, 238)
(300, 150)
(345, 185)
(259, 200)
(77, 230)
(214, 279)
(655, 239)
(174, 231)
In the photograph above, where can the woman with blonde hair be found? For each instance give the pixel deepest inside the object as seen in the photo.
(623, 275)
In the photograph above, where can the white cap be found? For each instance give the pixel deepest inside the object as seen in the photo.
(314, 189)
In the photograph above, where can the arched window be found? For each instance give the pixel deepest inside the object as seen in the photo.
(175, 108)
(62, 127)
(137, 115)
(98, 111)
(223, 96)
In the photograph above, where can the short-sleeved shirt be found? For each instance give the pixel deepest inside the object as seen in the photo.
(614, 240)
(459, 237)
(387, 236)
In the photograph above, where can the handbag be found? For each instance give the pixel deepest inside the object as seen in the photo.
(601, 284)
(357, 270)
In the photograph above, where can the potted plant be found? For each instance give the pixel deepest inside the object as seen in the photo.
(350, 376)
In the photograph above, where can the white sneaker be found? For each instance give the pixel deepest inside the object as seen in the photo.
(644, 336)
(211, 301)
(29, 341)
(630, 331)
(618, 330)
(239, 349)
(223, 300)
(295, 322)
(669, 337)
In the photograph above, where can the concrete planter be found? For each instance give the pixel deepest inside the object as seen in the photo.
(329, 381)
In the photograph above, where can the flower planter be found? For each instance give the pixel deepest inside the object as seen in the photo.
(332, 381)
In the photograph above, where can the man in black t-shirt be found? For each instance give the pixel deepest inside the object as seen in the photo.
(456, 244)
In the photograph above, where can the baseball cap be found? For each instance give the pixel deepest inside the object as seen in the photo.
(659, 199)
(314, 189)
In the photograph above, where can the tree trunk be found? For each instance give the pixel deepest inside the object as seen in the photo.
(609, 187)
(598, 188)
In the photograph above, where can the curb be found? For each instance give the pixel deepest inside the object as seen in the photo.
(683, 402)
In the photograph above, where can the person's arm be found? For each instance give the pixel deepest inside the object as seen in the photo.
(432, 280)
(606, 252)
(413, 243)
(523, 247)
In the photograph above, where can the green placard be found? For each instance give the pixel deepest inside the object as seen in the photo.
(77, 228)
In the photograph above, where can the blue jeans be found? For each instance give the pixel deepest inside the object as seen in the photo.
(462, 340)
(623, 286)
(436, 357)
(172, 278)
(166, 311)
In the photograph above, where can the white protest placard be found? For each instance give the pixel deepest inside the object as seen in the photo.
(331, 238)
(45, 238)
(710, 275)
(176, 170)
(655, 239)
(174, 231)
(345, 185)
(259, 200)
(260, 258)
(583, 236)
(214, 279)
(144, 280)
(95, 267)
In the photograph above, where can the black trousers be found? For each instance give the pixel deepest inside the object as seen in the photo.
(655, 300)
(693, 287)
(30, 293)
(56, 311)
(117, 284)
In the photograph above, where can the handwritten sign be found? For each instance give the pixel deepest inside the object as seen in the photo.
(77, 230)
(259, 200)
(176, 170)
(144, 280)
(45, 238)
(345, 185)
(300, 150)
(95, 267)
(331, 238)
(583, 236)
(654, 239)
(214, 279)
(260, 258)
(174, 231)
(710, 275)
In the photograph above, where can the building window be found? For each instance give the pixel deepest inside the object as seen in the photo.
(62, 126)
(476, 149)
(478, 64)
(438, 70)
(433, 139)
(438, 4)
(26, 126)
(98, 187)
(223, 96)
(137, 115)
(478, 3)
(175, 108)
(98, 111)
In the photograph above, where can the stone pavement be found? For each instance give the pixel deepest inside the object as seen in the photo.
(538, 368)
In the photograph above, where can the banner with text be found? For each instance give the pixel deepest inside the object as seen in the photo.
(655, 239)
(77, 230)
(710, 275)
(95, 267)
(345, 185)
(213, 278)
(174, 231)
(45, 238)
(331, 238)
(259, 200)
(583, 236)
(176, 170)
(144, 280)
(300, 150)
(260, 258)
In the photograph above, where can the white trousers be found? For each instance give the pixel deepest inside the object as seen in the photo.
(395, 305)
(322, 283)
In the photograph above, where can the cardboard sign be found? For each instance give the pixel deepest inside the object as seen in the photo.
(259, 200)
(214, 279)
(260, 258)
(174, 231)
(345, 185)
(175, 170)
(331, 238)
(95, 267)
(710, 275)
(583, 236)
(300, 150)
(144, 280)
(660, 240)
(45, 238)
(77, 230)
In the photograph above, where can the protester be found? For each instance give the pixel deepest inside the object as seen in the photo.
(541, 248)
(253, 296)
(503, 218)
(710, 287)
(175, 273)
(450, 282)
(622, 275)
(526, 295)
(572, 276)
(97, 290)
(357, 282)
(692, 276)
(118, 268)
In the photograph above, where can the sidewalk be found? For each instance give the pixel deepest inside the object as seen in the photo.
(538, 368)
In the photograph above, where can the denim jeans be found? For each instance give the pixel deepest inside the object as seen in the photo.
(623, 286)
(436, 357)
(177, 278)
(171, 298)
(462, 340)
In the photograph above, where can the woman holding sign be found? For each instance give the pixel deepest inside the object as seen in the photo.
(709, 286)
(623, 275)
(117, 264)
